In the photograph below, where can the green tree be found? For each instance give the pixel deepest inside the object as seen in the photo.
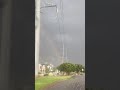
(78, 68)
(67, 67)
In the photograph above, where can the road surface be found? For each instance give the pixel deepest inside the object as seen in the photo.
(76, 83)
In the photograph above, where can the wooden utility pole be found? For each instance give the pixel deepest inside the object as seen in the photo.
(37, 35)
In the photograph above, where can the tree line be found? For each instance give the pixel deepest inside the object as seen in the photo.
(69, 67)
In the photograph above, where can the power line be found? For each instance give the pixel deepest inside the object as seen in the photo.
(60, 26)
(50, 6)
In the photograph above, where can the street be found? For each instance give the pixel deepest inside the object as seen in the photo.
(75, 83)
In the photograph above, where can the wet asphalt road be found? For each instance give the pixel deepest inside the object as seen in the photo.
(76, 83)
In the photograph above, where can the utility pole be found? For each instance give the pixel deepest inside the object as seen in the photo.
(63, 42)
(55, 6)
(63, 46)
(66, 55)
(37, 36)
(63, 52)
(37, 33)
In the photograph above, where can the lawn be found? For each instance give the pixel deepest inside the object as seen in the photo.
(42, 82)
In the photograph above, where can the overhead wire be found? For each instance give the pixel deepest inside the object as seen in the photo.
(49, 5)
(60, 26)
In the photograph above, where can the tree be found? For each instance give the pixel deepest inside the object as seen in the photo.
(67, 67)
(78, 68)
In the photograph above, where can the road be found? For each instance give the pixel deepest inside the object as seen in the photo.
(75, 83)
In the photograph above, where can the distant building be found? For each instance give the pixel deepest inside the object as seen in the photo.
(44, 67)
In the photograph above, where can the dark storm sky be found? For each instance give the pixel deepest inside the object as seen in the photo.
(72, 29)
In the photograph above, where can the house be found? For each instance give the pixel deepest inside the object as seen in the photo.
(42, 68)
(45, 68)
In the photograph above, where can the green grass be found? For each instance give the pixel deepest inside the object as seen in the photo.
(42, 82)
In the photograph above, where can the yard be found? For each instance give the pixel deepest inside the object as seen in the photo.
(42, 82)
